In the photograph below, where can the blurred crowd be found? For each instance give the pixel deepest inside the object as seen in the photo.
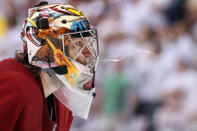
(147, 74)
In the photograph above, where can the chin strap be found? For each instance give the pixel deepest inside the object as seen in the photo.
(61, 70)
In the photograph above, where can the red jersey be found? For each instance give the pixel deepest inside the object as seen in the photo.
(22, 102)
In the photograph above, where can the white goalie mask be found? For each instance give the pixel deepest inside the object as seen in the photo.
(61, 41)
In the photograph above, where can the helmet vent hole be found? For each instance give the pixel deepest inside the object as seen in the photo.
(63, 8)
(64, 21)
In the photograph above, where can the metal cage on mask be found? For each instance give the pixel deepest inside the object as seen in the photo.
(83, 47)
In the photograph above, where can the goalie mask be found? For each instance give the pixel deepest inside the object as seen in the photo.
(61, 41)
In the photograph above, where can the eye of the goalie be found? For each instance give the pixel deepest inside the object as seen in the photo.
(79, 44)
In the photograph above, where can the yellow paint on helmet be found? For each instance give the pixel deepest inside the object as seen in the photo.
(33, 23)
(77, 12)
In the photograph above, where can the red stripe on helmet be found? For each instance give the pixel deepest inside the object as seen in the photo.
(31, 39)
(54, 9)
